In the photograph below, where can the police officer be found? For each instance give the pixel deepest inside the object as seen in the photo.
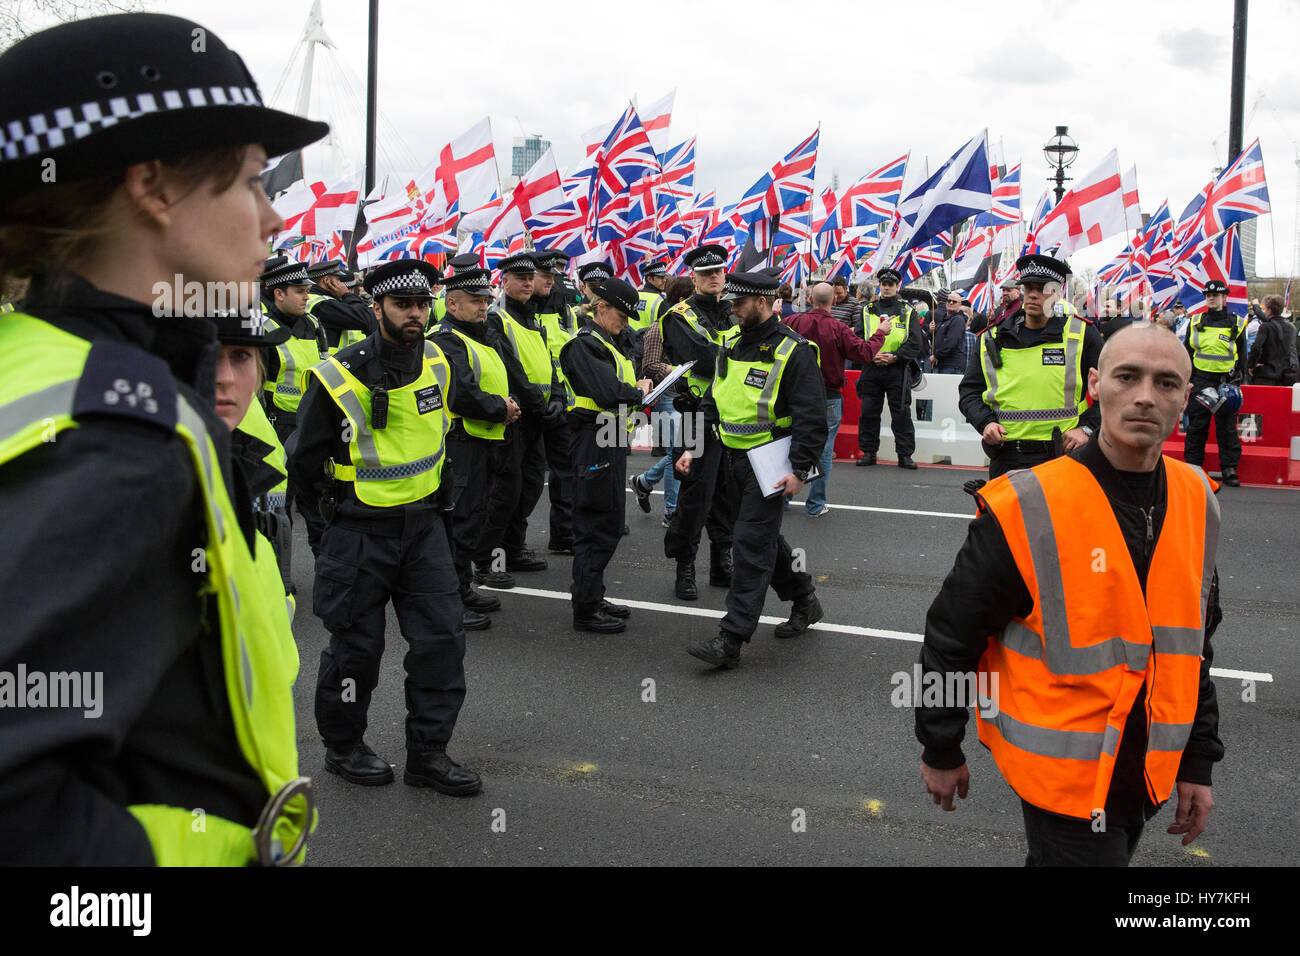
(767, 385)
(371, 451)
(342, 314)
(590, 276)
(650, 299)
(696, 329)
(556, 322)
(129, 543)
(1216, 341)
(461, 263)
(605, 392)
(888, 378)
(514, 318)
(484, 373)
(1024, 386)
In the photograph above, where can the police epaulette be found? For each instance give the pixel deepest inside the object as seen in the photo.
(120, 379)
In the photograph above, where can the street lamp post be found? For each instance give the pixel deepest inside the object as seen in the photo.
(1060, 152)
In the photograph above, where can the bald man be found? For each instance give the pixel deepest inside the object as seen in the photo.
(835, 342)
(1097, 700)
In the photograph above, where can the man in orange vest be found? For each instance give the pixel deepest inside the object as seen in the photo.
(1082, 606)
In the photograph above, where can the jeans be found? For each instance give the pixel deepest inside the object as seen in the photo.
(951, 370)
(817, 487)
(663, 468)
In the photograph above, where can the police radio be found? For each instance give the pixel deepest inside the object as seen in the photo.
(378, 407)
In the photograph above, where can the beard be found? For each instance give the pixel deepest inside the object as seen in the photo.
(407, 335)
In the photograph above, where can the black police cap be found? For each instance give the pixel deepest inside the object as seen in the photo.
(404, 278)
(1037, 268)
(620, 295)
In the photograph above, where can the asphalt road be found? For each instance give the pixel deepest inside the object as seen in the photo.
(797, 756)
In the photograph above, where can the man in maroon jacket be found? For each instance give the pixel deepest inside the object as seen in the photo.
(836, 343)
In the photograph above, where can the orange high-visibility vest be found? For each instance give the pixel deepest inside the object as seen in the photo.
(1068, 675)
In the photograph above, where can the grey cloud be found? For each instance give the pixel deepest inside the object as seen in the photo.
(1196, 49)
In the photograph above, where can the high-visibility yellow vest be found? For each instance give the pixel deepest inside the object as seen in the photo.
(489, 376)
(297, 356)
(897, 334)
(626, 375)
(746, 398)
(647, 310)
(1095, 644)
(1037, 388)
(531, 348)
(258, 655)
(1214, 348)
(402, 462)
(698, 378)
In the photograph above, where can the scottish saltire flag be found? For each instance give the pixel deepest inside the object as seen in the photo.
(1006, 198)
(959, 190)
(1219, 257)
(786, 185)
(1238, 193)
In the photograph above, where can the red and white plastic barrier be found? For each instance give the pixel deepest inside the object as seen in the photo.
(1269, 427)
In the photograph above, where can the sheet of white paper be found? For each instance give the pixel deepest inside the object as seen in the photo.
(669, 380)
(771, 463)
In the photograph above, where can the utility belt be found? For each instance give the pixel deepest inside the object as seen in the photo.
(1024, 446)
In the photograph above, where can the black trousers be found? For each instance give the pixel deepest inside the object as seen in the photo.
(1060, 841)
(471, 465)
(530, 463)
(558, 439)
(759, 553)
(357, 574)
(599, 513)
(502, 496)
(286, 427)
(1198, 428)
(876, 385)
(1003, 460)
(705, 499)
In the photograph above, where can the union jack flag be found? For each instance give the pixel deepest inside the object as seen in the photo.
(1240, 192)
(421, 245)
(676, 183)
(870, 200)
(981, 297)
(562, 228)
(1044, 206)
(914, 263)
(1006, 198)
(1217, 258)
(625, 157)
(786, 185)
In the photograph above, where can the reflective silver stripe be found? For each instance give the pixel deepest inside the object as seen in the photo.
(406, 470)
(1179, 640)
(288, 372)
(1047, 742)
(767, 397)
(990, 373)
(333, 378)
(1172, 737)
(244, 660)
(1081, 660)
(1074, 331)
(49, 402)
(1212, 516)
(194, 424)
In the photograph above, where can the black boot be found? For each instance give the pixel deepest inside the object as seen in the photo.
(358, 765)
(868, 458)
(719, 566)
(525, 561)
(475, 601)
(905, 461)
(1230, 477)
(685, 588)
(600, 621)
(803, 615)
(433, 768)
(721, 650)
(615, 610)
(474, 621)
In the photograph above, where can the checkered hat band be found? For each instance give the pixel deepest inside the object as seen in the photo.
(741, 288)
(45, 131)
(1035, 273)
(296, 276)
(412, 280)
(597, 274)
(710, 261)
(480, 284)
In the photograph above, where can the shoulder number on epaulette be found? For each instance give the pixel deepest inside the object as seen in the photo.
(120, 379)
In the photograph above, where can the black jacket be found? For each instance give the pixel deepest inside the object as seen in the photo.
(1014, 334)
(349, 313)
(950, 340)
(1223, 319)
(591, 372)
(374, 361)
(467, 398)
(801, 396)
(96, 576)
(529, 396)
(1274, 352)
(682, 345)
(984, 591)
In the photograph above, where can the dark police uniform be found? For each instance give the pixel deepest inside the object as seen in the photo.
(385, 540)
(696, 330)
(767, 385)
(556, 321)
(1216, 341)
(1032, 381)
(604, 395)
(520, 487)
(345, 320)
(129, 545)
(880, 383)
(484, 372)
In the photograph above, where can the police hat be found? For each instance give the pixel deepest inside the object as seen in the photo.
(657, 268)
(552, 260)
(620, 295)
(521, 263)
(252, 330)
(750, 283)
(100, 94)
(889, 275)
(474, 281)
(706, 258)
(1041, 269)
(1216, 286)
(331, 267)
(466, 260)
(404, 278)
(913, 294)
(285, 273)
(595, 272)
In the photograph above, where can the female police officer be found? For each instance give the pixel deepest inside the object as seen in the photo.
(129, 167)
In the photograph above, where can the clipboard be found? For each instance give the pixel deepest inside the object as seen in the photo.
(669, 381)
(771, 463)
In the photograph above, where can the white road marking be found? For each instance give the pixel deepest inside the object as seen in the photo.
(851, 629)
(891, 511)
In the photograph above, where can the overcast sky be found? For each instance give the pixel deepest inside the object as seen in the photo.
(753, 79)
